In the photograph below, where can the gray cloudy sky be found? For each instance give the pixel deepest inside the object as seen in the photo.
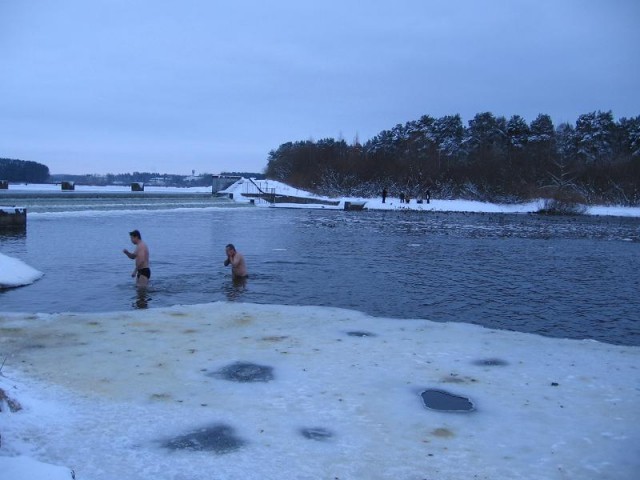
(113, 86)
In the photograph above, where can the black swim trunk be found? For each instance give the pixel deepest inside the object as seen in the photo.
(144, 271)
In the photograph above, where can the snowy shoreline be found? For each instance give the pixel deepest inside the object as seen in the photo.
(394, 204)
(238, 190)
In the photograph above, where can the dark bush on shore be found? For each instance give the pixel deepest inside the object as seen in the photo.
(564, 203)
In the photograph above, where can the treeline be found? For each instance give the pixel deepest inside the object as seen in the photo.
(13, 170)
(24, 171)
(149, 178)
(491, 158)
(257, 176)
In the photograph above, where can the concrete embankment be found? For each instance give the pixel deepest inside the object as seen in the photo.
(13, 216)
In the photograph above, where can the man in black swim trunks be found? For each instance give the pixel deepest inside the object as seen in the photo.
(141, 256)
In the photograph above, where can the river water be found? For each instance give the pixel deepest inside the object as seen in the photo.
(574, 277)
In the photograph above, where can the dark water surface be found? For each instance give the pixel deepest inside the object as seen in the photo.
(575, 277)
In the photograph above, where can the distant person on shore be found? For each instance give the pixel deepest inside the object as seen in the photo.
(402, 197)
(384, 195)
(428, 195)
(141, 255)
(236, 260)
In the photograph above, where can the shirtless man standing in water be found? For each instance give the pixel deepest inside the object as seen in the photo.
(141, 256)
(236, 260)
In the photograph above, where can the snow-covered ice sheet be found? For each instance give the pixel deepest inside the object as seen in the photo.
(16, 273)
(115, 395)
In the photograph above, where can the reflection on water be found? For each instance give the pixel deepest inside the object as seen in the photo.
(235, 288)
(142, 298)
(13, 232)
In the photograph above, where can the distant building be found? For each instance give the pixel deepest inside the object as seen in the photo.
(220, 182)
(157, 181)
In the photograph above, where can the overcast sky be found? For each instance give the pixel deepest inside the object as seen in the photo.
(115, 86)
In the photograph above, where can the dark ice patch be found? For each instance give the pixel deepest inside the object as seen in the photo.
(316, 433)
(444, 401)
(454, 378)
(361, 334)
(218, 438)
(244, 372)
(491, 362)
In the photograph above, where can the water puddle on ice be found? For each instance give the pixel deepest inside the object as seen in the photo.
(244, 372)
(216, 438)
(446, 402)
